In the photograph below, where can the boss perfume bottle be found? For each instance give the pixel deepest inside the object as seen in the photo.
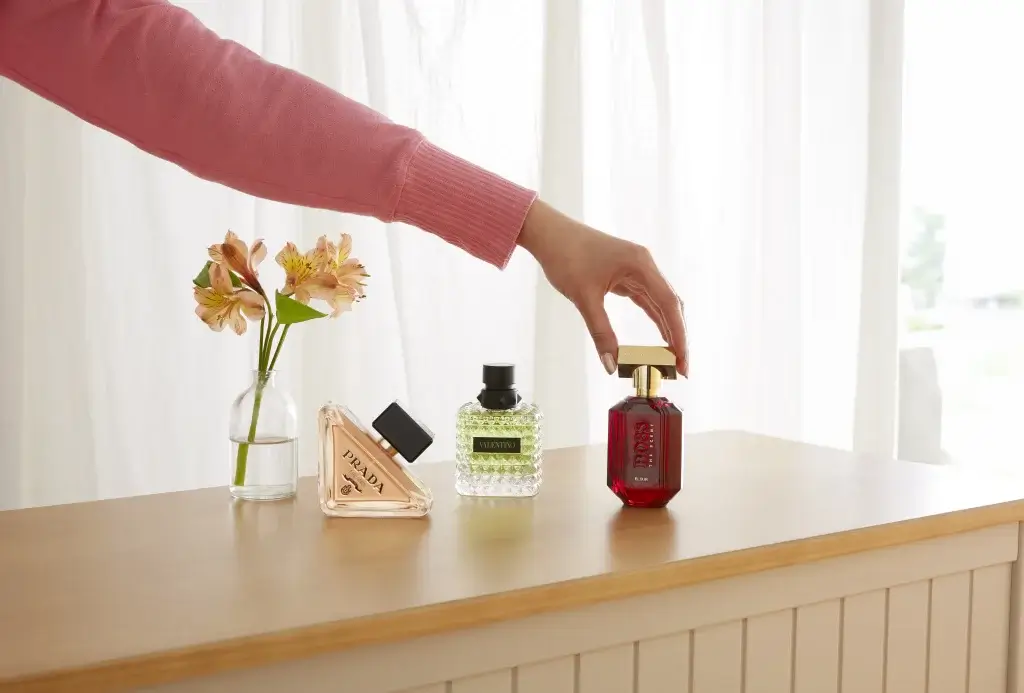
(645, 432)
(361, 475)
(498, 439)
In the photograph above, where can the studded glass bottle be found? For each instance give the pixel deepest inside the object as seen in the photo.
(645, 432)
(498, 440)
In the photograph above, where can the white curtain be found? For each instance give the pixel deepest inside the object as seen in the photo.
(731, 137)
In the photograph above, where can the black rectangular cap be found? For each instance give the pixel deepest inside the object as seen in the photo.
(405, 434)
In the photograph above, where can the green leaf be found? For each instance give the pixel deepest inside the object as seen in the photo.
(290, 311)
(202, 279)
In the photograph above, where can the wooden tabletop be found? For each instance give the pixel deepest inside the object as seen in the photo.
(143, 590)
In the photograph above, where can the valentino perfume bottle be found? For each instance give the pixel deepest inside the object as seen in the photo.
(360, 475)
(498, 439)
(645, 432)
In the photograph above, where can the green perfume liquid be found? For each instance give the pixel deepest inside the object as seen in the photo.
(498, 451)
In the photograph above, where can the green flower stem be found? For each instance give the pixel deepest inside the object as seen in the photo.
(266, 345)
(280, 343)
(269, 344)
(267, 329)
(243, 448)
(263, 335)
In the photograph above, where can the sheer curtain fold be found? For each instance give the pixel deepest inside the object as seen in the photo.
(729, 137)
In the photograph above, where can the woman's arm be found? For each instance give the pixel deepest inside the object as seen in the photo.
(152, 74)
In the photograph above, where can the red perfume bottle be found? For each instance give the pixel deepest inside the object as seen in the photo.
(645, 432)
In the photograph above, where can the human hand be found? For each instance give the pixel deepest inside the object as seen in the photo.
(584, 265)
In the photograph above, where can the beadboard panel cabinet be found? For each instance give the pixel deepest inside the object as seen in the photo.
(910, 638)
(931, 617)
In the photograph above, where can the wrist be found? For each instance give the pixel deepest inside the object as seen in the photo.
(539, 226)
(528, 233)
(548, 235)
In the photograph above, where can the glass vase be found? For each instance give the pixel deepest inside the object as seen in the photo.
(264, 441)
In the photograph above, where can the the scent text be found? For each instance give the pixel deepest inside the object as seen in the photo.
(500, 446)
(643, 444)
(360, 468)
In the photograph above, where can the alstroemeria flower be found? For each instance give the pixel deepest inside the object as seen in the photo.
(222, 304)
(348, 270)
(243, 261)
(308, 276)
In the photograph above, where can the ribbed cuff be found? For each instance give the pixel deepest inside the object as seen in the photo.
(462, 203)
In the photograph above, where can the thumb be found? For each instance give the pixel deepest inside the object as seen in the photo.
(601, 331)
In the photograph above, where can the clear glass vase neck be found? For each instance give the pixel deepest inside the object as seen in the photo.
(266, 377)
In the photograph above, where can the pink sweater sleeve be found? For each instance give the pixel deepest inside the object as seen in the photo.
(151, 73)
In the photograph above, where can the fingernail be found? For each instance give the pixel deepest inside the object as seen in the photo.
(609, 363)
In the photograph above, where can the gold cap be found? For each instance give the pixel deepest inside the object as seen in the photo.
(632, 357)
(647, 366)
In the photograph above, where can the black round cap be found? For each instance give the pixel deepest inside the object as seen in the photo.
(499, 387)
(406, 435)
(499, 376)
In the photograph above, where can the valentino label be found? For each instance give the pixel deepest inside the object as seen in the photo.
(644, 454)
(497, 446)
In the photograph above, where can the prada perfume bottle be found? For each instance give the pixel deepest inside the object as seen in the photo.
(645, 432)
(498, 439)
(361, 475)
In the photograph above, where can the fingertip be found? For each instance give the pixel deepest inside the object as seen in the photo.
(608, 361)
(681, 366)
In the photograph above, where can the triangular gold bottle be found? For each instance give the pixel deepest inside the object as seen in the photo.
(360, 476)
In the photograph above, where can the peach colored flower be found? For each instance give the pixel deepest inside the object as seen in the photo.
(348, 270)
(308, 276)
(340, 299)
(303, 273)
(222, 304)
(243, 261)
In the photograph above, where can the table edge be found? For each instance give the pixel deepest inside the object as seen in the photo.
(283, 646)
